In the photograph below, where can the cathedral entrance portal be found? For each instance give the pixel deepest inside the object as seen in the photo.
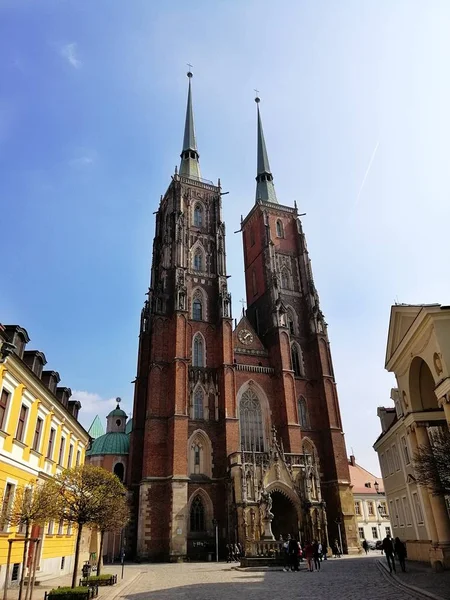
(285, 516)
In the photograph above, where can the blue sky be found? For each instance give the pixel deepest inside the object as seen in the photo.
(355, 104)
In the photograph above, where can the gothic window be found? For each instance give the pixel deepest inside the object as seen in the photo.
(197, 456)
(197, 309)
(198, 260)
(297, 361)
(197, 516)
(290, 322)
(251, 423)
(254, 284)
(198, 215)
(303, 413)
(280, 231)
(198, 352)
(198, 403)
(285, 279)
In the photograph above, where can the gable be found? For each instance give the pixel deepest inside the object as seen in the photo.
(402, 318)
(245, 338)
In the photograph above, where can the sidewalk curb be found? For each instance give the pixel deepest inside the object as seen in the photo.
(392, 577)
(126, 585)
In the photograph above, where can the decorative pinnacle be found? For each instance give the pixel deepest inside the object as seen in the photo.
(257, 98)
(118, 400)
(189, 73)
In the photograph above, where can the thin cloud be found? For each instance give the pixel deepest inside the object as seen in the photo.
(92, 404)
(367, 171)
(69, 52)
(83, 159)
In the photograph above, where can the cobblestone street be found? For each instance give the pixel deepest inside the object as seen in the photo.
(346, 579)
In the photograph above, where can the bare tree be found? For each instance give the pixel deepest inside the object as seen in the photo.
(33, 504)
(113, 518)
(432, 465)
(82, 494)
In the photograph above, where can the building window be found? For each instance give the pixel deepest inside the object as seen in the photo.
(198, 215)
(383, 509)
(61, 451)
(285, 279)
(389, 462)
(197, 310)
(21, 424)
(303, 413)
(37, 434)
(50, 528)
(78, 458)
(254, 283)
(63, 560)
(357, 508)
(388, 530)
(197, 515)
(198, 260)
(60, 527)
(198, 403)
(370, 509)
(297, 361)
(7, 505)
(280, 232)
(417, 508)
(69, 458)
(374, 533)
(198, 353)
(396, 457)
(406, 510)
(196, 457)
(119, 470)
(4, 399)
(51, 441)
(251, 424)
(405, 451)
(361, 533)
(15, 572)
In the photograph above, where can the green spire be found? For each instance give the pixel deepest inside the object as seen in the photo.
(96, 429)
(190, 166)
(265, 190)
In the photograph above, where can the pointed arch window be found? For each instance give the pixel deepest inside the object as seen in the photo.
(290, 322)
(251, 423)
(199, 397)
(303, 413)
(280, 229)
(198, 260)
(197, 515)
(197, 456)
(197, 308)
(198, 215)
(297, 361)
(198, 355)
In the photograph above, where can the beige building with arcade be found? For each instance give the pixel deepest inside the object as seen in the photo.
(418, 353)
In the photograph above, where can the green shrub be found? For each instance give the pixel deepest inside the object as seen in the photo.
(95, 578)
(69, 592)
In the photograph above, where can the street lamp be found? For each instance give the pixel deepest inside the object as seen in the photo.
(216, 526)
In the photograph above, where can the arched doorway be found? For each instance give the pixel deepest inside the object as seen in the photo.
(421, 386)
(285, 519)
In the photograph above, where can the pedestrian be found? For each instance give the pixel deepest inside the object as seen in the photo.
(293, 554)
(316, 555)
(324, 550)
(365, 546)
(388, 548)
(229, 553)
(300, 552)
(400, 551)
(336, 549)
(286, 555)
(309, 555)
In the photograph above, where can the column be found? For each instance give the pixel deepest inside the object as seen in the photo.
(13, 418)
(445, 404)
(437, 503)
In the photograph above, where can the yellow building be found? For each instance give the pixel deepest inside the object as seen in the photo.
(418, 353)
(39, 436)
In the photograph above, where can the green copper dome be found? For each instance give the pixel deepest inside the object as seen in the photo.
(110, 443)
(118, 412)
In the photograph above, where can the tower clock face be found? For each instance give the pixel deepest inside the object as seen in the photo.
(245, 336)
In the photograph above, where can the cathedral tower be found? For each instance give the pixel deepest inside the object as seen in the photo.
(284, 310)
(185, 341)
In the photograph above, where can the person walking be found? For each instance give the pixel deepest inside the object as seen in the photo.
(388, 548)
(293, 554)
(286, 554)
(324, 551)
(365, 546)
(309, 555)
(316, 555)
(400, 551)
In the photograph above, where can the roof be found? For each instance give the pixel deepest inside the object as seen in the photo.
(96, 429)
(360, 476)
(129, 426)
(110, 443)
(117, 412)
(265, 189)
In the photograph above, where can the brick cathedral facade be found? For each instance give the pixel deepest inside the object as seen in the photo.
(234, 427)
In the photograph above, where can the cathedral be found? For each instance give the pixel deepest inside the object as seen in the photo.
(237, 434)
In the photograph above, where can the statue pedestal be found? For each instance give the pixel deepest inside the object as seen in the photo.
(267, 523)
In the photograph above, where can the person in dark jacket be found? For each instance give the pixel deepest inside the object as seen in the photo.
(293, 554)
(317, 550)
(365, 546)
(400, 551)
(388, 547)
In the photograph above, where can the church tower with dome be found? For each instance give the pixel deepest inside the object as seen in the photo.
(237, 430)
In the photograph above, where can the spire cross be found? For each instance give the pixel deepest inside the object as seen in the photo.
(256, 92)
(243, 302)
(190, 69)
